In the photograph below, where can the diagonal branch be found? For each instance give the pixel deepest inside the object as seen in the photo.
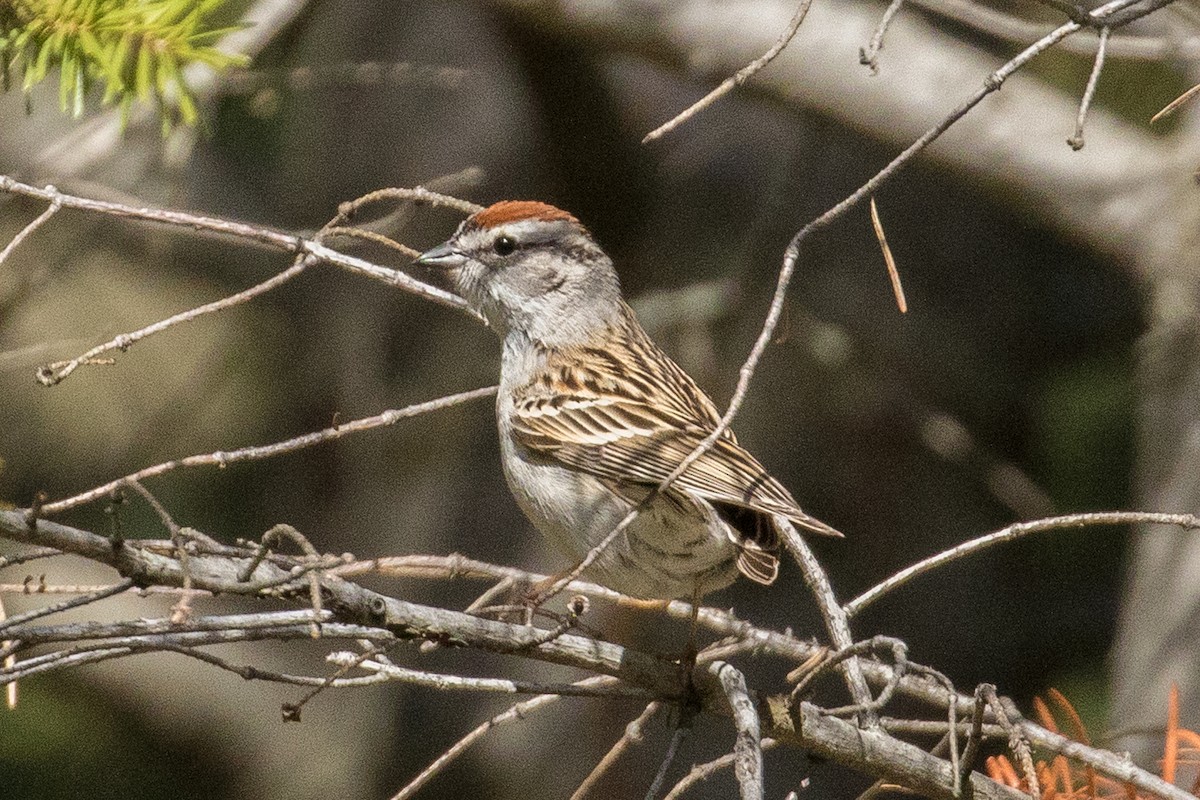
(1016, 531)
(222, 458)
(257, 234)
(737, 79)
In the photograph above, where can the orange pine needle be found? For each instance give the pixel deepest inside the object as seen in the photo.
(1044, 716)
(1001, 770)
(1081, 734)
(1171, 746)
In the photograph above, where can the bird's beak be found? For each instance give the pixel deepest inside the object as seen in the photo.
(442, 257)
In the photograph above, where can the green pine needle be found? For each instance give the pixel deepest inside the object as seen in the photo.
(136, 50)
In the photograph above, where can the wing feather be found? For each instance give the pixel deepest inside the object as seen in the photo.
(629, 413)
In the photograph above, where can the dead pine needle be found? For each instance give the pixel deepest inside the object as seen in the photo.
(889, 259)
(1171, 107)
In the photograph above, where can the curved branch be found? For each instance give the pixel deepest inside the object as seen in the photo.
(1016, 531)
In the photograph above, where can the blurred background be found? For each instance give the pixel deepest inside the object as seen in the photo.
(1048, 362)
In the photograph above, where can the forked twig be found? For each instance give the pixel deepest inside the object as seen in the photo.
(836, 621)
(1076, 140)
(57, 371)
(869, 56)
(25, 232)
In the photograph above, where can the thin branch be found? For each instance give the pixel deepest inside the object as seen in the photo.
(660, 777)
(975, 735)
(53, 373)
(183, 608)
(836, 621)
(30, 555)
(869, 55)
(443, 682)
(74, 602)
(1017, 742)
(737, 79)
(515, 714)
(24, 233)
(223, 458)
(1016, 531)
(1076, 140)
(631, 736)
(1007, 27)
(702, 772)
(265, 236)
(1172, 106)
(10, 692)
(747, 751)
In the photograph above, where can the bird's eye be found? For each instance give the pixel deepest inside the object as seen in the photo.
(504, 246)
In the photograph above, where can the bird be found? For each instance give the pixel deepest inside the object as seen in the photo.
(593, 416)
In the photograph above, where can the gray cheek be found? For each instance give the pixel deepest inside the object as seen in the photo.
(534, 282)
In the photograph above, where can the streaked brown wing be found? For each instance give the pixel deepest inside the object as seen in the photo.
(631, 442)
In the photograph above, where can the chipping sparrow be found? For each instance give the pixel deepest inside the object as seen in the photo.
(593, 415)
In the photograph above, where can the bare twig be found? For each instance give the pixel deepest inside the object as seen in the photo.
(702, 772)
(1007, 27)
(366, 614)
(10, 693)
(747, 751)
(837, 623)
(260, 235)
(1076, 140)
(183, 608)
(515, 714)
(737, 79)
(682, 729)
(868, 56)
(631, 736)
(29, 555)
(975, 734)
(223, 458)
(24, 233)
(74, 602)
(55, 372)
(1017, 741)
(437, 681)
(1016, 531)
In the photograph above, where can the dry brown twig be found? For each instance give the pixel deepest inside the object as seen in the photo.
(25, 232)
(223, 458)
(1076, 140)
(869, 55)
(737, 79)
